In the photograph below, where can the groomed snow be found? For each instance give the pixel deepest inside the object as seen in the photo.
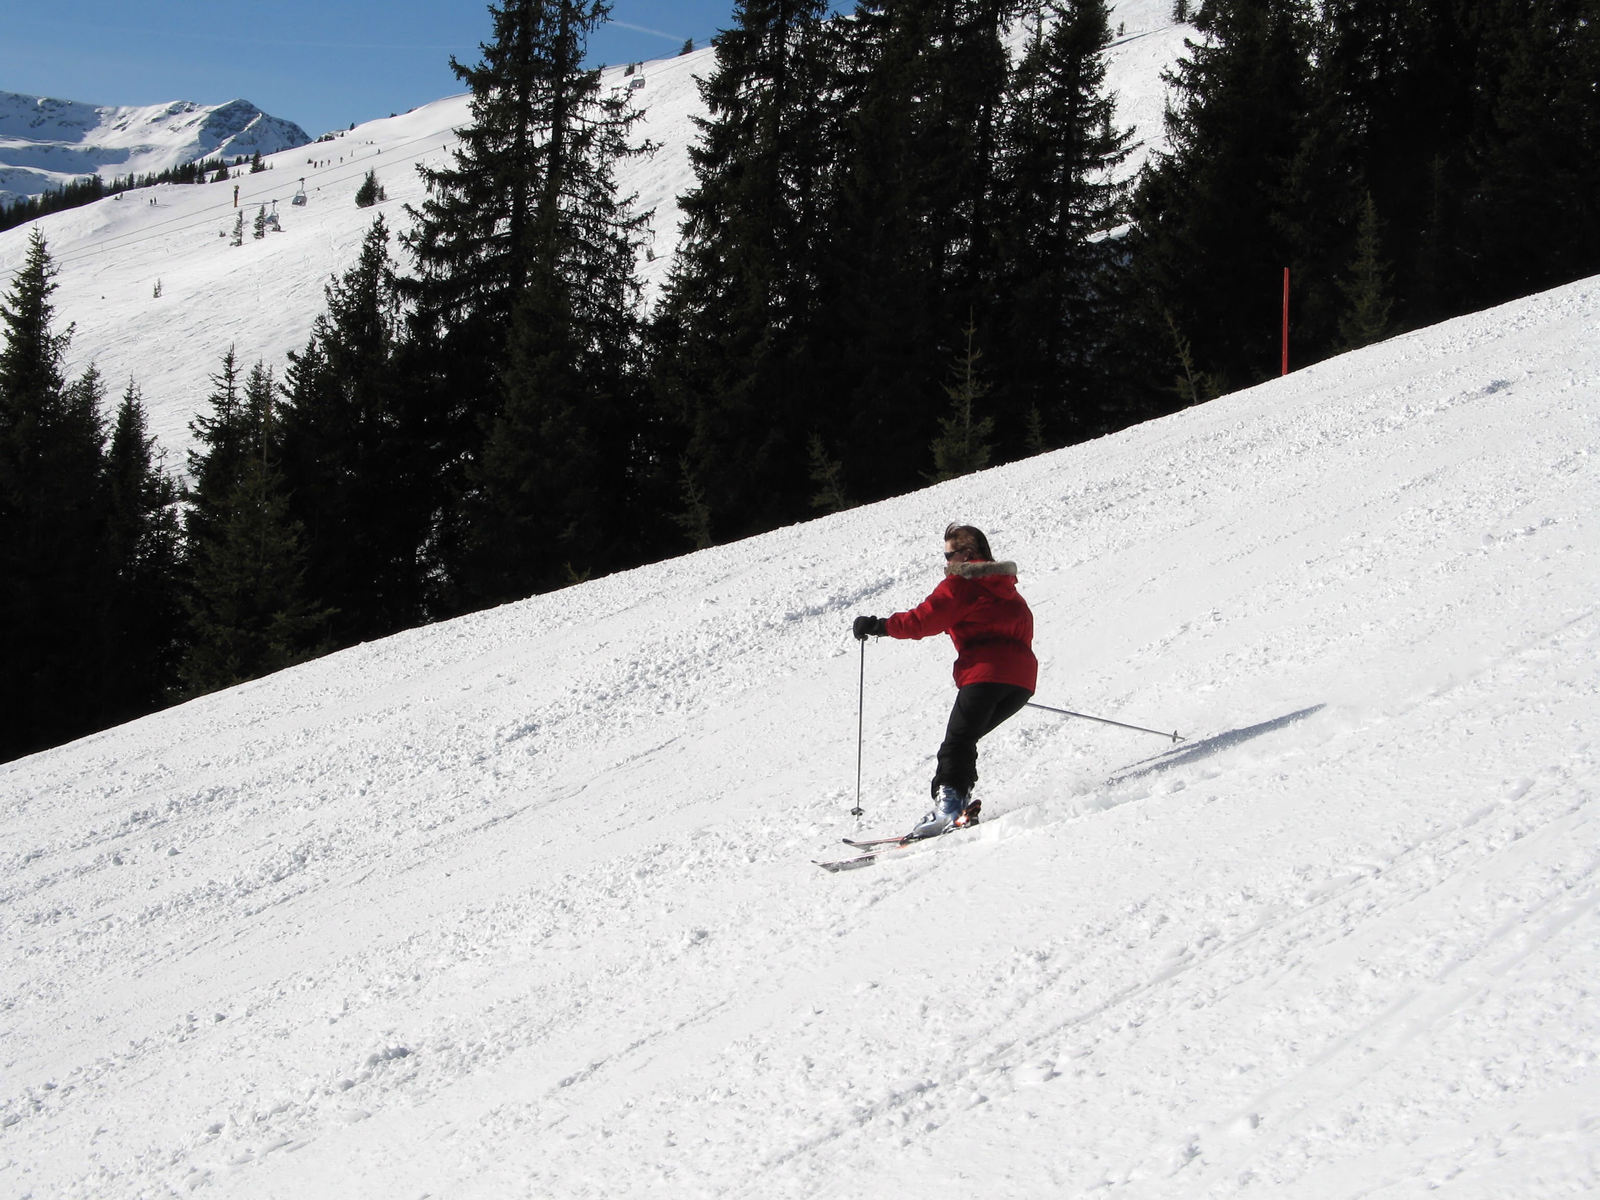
(523, 904)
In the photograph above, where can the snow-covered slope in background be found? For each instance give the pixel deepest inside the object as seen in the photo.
(47, 143)
(263, 296)
(522, 905)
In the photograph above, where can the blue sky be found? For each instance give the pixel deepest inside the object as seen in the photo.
(322, 65)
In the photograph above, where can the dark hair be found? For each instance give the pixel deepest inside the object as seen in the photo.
(969, 538)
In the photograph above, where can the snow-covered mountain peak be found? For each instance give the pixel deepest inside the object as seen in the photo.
(47, 142)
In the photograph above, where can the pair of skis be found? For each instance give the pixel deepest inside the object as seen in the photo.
(872, 847)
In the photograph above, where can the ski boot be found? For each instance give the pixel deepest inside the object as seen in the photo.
(949, 810)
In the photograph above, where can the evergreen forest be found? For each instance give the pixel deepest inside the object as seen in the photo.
(905, 256)
(90, 188)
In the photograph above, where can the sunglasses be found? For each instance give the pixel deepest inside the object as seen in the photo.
(952, 555)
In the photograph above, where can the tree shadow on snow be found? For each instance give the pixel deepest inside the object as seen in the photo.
(1184, 755)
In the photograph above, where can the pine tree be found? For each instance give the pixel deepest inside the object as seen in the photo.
(144, 613)
(560, 471)
(217, 460)
(963, 445)
(827, 477)
(525, 282)
(912, 250)
(369, 193)
(694, 515)
(1367, 288)
(355, 456)
(1208, 248)
(31, 362)
(1060, 204)
(471, 242)
(52, 443)
(1532, 218)
(248, 611)
(737, 324)
(1428, 100)
(1375, 133)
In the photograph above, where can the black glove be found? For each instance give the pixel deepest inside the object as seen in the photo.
(866, 627)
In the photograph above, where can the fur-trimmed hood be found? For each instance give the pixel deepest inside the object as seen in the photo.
(980, 570)
(977, 604)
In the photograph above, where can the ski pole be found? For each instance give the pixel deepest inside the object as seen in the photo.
(861, 726)
(1105, 721)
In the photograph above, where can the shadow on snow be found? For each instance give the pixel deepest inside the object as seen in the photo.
(1184, 755)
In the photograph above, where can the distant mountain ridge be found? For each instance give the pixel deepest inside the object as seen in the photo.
(46, 143)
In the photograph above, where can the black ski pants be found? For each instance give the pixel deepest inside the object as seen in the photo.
(980, 708)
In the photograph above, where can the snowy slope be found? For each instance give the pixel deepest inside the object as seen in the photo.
(263, 296)
(47, 143)
(522, 905)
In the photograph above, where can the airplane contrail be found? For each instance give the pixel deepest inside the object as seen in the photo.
(671, 37)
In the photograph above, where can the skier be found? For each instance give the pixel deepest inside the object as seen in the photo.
(978, 605)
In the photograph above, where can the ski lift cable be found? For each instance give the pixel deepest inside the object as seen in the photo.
(194, 220)
(185, 222)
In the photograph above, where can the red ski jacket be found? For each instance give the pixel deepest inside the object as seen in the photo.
(978, 605)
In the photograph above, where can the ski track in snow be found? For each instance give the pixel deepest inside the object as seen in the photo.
(522, 904)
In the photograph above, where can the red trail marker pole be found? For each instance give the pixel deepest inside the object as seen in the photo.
(1286, 320)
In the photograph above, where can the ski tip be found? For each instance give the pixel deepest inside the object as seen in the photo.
(848, 864)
